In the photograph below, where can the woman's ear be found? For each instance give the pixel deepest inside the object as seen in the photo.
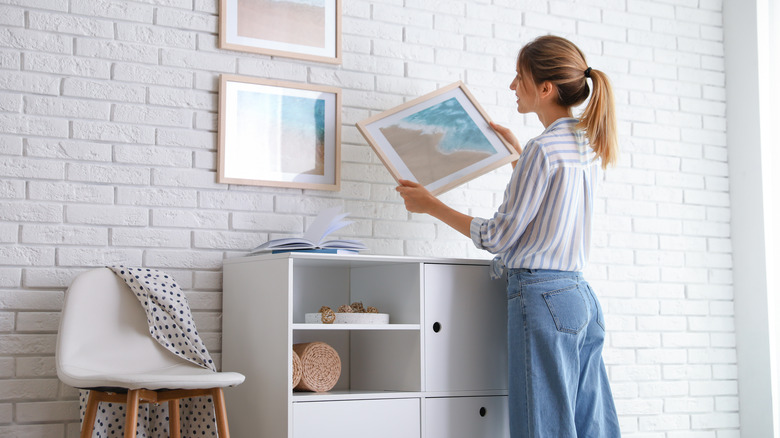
(547, 89)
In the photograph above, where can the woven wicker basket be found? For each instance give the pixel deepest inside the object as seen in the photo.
(320, 365)
(297, 369)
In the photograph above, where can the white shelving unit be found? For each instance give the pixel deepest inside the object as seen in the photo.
(438, 369)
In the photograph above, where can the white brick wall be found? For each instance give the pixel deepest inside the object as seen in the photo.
(108, 155)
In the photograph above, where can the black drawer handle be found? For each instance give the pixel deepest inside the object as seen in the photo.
(436, 327)
(482, 412)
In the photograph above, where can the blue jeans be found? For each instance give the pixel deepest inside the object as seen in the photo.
(558, 385)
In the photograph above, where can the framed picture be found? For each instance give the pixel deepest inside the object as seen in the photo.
(440, 140)
(276, 133)
(302, 29)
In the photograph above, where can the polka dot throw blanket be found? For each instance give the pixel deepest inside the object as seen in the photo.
(168, 313)
(170, 324)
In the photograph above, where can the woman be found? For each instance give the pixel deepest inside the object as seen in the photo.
(541, 237)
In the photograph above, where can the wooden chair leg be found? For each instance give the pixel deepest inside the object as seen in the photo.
(174, 422)
(131, 413)
(89, 416)
(221, 413)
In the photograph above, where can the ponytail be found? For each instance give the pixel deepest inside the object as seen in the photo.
(598, 120)
(558, 60)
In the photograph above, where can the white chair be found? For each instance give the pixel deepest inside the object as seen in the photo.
(104, 345)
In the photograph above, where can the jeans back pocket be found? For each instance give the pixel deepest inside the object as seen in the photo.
(568, 308)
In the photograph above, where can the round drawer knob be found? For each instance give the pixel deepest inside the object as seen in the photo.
(482, 411)
(436, 327)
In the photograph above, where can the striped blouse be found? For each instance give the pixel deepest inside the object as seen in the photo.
(544, 221)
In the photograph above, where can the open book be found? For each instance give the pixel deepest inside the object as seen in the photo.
(327, 222)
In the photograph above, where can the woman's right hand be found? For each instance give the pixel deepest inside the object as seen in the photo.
(508, 136)
(417, 199)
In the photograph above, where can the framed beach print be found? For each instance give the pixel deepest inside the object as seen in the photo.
(276, 133)
(440, 140)
(302, 29)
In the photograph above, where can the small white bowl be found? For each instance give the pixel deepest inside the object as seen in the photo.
(351, 318)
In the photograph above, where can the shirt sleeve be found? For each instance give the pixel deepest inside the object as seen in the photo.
(522, 199)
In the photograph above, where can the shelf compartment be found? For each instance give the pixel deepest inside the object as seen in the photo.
(393, 289)
(372, 360)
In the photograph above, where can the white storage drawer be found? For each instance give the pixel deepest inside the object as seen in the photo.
(392, 418)
(467, 417)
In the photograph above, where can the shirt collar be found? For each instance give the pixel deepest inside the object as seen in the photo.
(560, 123)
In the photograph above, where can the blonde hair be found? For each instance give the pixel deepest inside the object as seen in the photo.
(558, 60)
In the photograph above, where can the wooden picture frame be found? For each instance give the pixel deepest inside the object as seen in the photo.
(440, 140)
(280, 134)
(300, 29)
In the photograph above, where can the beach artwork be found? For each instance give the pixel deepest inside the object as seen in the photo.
(276, 133)
(305, 29)
(295, 123)
(286, 21)
(440, 140)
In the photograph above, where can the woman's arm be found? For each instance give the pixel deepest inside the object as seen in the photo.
(418, 199)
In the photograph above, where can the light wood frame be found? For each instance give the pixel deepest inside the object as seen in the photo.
(330, 53)
(241, 161)
(408, 158)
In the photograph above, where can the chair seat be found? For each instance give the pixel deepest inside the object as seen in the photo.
(175, 377)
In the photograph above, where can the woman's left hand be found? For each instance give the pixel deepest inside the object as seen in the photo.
(417, 198)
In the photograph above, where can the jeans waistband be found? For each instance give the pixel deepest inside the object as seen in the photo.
(542, 274)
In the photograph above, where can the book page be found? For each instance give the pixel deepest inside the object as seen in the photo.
(328, 221)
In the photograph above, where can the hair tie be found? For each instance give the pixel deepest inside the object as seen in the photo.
(587, 72)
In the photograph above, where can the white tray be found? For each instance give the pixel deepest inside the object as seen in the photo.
(351, 318)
